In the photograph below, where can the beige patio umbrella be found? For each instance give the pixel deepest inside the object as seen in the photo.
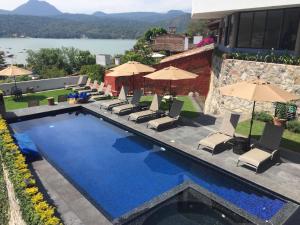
(257, 91)
(13, 71)
(133, 68)
(130, 69)
(171, 73)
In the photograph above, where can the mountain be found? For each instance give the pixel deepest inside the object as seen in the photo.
(36, 8)
(78, 26)
(143, 16)
(39, 19)
(2, 11)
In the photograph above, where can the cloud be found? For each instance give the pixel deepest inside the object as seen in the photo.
(109, 6)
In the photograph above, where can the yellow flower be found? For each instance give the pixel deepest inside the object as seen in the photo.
(32, 191)
(37, 198)
(53, 221)
(41, 206)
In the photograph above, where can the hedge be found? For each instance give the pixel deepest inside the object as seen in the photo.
(3, 198)
(34, 208)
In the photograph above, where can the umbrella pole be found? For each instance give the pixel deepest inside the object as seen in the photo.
(251, 123)
(170, 95)
(15, 82)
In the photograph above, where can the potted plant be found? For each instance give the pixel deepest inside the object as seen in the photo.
(280, 117)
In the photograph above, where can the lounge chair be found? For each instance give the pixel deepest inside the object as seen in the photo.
(99, 91)
(265, 149)
(86, 86)
(225, 133)
(79, 83)
(121, 100)
(134, 104)
(107, 94)
(170, 119)
(151, 112)
(92, 88)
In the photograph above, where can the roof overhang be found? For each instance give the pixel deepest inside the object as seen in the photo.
(214, 9)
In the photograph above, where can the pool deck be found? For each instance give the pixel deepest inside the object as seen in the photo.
(282, 178)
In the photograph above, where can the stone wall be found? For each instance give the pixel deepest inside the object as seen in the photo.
(230, 71)
(41, 85)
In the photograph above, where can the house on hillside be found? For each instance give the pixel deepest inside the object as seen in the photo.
(172, 43)
(250, 25)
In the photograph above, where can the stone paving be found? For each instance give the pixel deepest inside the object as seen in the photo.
(282, 178)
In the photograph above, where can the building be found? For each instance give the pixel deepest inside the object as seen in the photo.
(251, 25)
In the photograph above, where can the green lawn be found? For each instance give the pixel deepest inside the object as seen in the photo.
(188, 110)
(290, 140)
(11, 104)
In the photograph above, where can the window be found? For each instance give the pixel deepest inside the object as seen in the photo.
(289, 29)
(258, 29)
(273, 27)
(268, 29)
(244, 34)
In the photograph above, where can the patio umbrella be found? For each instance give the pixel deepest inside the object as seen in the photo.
(130, 69)
(171, 74)
(257, 90)
(13, 71)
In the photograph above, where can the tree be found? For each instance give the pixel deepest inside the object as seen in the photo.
(142, 51)
(197, 27)
(95, 72)
(65, 61)
(2, 60)
(154, 32)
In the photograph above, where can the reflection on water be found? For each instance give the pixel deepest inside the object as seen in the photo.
(19, 46)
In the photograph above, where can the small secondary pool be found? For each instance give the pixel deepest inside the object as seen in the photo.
(120, 171)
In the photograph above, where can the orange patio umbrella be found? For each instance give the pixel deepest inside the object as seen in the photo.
(130, 69)
(13, 71)
(171, 74)
(257, 91)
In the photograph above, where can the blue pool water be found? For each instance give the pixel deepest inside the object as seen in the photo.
(119, 171)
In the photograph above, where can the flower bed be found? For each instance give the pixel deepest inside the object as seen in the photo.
(35, 210)
(3, 198)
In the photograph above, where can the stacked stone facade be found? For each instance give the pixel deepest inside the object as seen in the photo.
(230, 71)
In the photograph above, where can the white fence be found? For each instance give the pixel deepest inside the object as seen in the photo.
(41, 85)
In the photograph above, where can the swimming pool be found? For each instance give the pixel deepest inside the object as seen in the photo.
(119, 171)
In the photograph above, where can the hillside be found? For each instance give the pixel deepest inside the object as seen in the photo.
(36, 8)
(39, 19)
(77, 26)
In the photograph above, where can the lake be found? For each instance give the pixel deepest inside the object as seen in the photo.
(19, 46)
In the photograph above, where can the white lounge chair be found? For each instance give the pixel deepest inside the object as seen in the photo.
(107, 94)
(134, 103)
(86, 86)
(225, 133)
(150, 113)
(121, 100)
(170, 119)
(79, 83)
(265, 149)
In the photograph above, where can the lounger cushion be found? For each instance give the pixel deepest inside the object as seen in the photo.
(110, 103)
(84, 91)
(119, 109)
(161, 121)
(215, 139)
(137, 115)
(255, 157)
(99, 97)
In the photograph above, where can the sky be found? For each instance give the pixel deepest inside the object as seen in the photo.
(108, 6)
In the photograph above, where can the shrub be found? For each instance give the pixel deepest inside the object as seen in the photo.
(268, 57)
(35, 210)
(95, 72)
(293, 126)
(263, 116)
